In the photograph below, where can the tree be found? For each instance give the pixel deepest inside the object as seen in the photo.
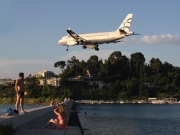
(93, 63)
(60, 64)
(115, 56)
(137, 63)
(167, 68)
(156, 64)
(73, 66)
(117, 63)
(73, 62)
(33, 88)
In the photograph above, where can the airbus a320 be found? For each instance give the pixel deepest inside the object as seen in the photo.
(93, 40)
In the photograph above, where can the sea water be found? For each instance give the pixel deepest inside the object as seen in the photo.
(130, 119)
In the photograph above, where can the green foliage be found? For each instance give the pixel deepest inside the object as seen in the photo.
(33, 88)
(60, 64)
(125, 78)
(7, 100)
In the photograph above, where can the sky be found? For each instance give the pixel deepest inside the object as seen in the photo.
(30, 30)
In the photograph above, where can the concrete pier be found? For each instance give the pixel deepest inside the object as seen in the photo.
(18, 120)
(31, 122)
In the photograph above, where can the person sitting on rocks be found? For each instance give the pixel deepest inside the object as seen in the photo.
(60, 122)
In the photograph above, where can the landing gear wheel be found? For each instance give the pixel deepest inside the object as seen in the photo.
(96, 48)
(67, 48)
(84, 47)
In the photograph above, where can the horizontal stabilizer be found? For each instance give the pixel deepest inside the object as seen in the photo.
(135, 34)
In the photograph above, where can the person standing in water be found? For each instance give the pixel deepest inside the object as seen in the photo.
(19, 87)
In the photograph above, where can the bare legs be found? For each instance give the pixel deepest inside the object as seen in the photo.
(17, 101)
(21, 101)
(51, 122)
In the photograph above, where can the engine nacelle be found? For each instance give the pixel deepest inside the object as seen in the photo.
(71, 43)
(91, 46)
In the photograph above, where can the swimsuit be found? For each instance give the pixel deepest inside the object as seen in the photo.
(63, 127)
(60, 118)
(21, 94)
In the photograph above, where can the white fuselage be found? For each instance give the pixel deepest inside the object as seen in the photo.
(92, 40)
(100, 38)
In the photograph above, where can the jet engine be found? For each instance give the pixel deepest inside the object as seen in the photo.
(91, 46)
(71, 43)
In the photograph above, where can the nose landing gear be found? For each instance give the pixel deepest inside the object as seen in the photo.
(67, 48)
(96, 49)
(84, 47)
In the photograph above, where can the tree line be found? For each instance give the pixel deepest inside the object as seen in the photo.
(124, 79)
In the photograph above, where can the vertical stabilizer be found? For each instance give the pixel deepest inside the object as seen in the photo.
(125, 25)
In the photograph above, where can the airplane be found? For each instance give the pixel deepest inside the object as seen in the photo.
(92, 40)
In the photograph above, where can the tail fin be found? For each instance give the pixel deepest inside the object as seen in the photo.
(125, 25)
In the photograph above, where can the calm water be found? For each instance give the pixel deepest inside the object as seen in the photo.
(26, 106)
(130, 119)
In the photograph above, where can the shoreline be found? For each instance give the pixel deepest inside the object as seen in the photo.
(127, 102)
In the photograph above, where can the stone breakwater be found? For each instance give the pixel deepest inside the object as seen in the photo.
(18, 120)
(32, 121)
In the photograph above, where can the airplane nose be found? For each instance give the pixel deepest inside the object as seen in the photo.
(59, 42)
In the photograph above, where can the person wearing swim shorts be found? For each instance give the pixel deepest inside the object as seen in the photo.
(19, 87)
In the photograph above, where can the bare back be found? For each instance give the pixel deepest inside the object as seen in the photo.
(62, 118)
(19, 86)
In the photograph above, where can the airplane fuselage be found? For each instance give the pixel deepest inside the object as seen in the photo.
(100, 37)
(92, 40)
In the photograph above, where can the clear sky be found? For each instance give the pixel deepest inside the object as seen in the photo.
(30, 30)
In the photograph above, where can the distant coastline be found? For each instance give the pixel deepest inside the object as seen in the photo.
(155, 101)
(39, 101)
(34, 101)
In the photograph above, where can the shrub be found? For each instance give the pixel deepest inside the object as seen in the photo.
(48, 100)
(30, 100)
(7, 100)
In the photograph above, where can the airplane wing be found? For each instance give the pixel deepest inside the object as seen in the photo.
(84, 41)
(116, 41)
(77, 37)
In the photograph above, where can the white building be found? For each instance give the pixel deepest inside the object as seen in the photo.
(53, 81)
(7, 81)
(48, 78)
(44, 73)
(149, 85)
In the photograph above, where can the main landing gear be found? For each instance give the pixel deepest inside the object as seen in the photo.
(84, 47)
(67, 48)
(96, 49)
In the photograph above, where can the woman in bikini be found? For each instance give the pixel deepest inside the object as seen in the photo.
(60, 122)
